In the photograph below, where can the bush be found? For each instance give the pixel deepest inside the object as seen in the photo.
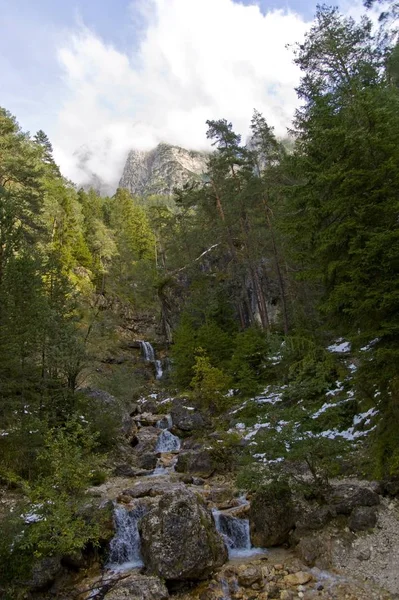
(248, 363)
(209, 384)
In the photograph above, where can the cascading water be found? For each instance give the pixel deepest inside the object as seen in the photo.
(167, 442)
(125, 545)
(149, 355)
(235, 533)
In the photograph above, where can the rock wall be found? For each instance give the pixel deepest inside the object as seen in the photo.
(161, 169)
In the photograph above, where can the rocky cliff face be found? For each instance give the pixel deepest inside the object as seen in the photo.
(160, 170)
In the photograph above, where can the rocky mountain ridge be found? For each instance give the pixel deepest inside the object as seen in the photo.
(160, 170)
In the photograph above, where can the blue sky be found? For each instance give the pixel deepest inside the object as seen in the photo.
(105, 75)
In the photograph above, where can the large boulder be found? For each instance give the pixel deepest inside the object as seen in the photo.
(145, 440)
(187, 418)
(44, 573)
(138, 587)
(199, 462)
(179, 540)
(271, 516)
(345, 497)
(363, 518)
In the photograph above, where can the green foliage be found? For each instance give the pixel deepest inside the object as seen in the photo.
(248, 363)
(209, 384)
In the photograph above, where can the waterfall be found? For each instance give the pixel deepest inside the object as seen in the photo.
(235, 533)
(167, 442)
(158, 369)
(148, 351)
(165, 423)
(149, 355)
(125, 545)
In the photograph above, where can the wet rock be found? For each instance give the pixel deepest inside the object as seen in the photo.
(363, 518)
(344, 498)
(138, 587)
(187, 418)
(151, 405)
(200, 463)
(271, 516)
(179, 539)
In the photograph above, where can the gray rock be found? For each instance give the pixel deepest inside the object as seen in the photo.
(344, 498)
(179, 540)
(313, 518)
(199, 463)
(138, 587)
(187, 418)
(162, 169)
(146, 440)
(125, 470)
(44, 573)
(147, 461)
(271, 516)
(363, 518)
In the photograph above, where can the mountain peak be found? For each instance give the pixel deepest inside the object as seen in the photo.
(161, 169)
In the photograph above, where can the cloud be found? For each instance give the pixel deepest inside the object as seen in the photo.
(191, 60)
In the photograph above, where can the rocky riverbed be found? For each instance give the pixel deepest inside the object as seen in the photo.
(182, 529)
(179, 528)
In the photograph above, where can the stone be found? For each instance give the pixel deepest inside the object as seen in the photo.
(43, 574)
(364, 554)
(299, 578)
(179, 540)
(200, 463)
(146, 419)
(362, 518)
(249, 575)
(313, 518)
(345, 497)
(125, 470)
(138, 587)
(147, 461)
(151, 488)
(271, 516)
(146, 440)
(187, 418)
(287, 595)
(313, 549)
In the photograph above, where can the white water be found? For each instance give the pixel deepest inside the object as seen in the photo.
(236, 535)
(149, 355)
(165, 423)
(167, 442)
(125, 545)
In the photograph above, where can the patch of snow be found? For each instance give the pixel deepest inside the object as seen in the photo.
(340, 346)
(326, 406)
(369, 345)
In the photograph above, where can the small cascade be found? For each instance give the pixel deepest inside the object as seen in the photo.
(158, 369)
(235, 533)
(149, 356)
(148, 351)
(125, 545)
(167, 442)
(165, 423)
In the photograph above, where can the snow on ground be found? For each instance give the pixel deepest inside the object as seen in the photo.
(341, 346)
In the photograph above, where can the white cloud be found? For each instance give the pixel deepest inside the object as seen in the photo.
(195, 60)
(192, 60)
